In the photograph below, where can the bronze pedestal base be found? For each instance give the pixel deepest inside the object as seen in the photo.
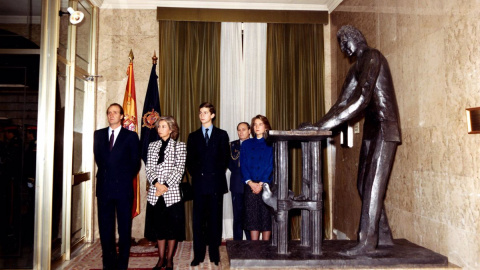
(247, 254)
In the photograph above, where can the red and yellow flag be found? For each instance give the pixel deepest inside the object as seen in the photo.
(130, 123)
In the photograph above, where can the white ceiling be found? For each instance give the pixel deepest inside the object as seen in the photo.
(17, 11)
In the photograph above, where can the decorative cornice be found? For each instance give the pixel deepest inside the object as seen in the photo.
(325, 5)
(333, 4)
(242, 15)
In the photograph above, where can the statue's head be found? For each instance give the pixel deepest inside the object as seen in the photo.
(350, 38)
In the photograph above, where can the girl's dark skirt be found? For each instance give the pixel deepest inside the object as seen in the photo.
(169, 222)
(257, 215)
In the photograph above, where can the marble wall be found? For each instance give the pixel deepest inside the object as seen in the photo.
(433, 50)
(119, 32)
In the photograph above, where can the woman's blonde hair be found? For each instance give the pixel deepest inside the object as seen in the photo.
(172, 124)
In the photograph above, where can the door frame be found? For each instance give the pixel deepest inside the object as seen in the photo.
(46, 136)
(75, 72)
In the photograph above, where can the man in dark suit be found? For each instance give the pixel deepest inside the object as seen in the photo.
(236, 182)
(117, 156)
(368, 89)
(207, 160)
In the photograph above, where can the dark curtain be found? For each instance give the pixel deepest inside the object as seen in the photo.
(295, 86)
(189, 74)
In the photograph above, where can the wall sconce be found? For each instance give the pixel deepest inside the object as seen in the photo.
(473, 120)
(75, 16)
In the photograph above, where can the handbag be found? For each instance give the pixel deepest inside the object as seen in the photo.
(186, 189)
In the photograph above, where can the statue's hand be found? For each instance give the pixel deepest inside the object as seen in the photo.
(321, 126)
(307, 126)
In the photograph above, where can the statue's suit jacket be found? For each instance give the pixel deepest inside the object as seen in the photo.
(368, 89)
(207, 164)
(116, 168)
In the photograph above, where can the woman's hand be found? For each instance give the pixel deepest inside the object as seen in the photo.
(256, 187)
(161, 189)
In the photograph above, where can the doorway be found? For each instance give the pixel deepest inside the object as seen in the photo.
(18, 122)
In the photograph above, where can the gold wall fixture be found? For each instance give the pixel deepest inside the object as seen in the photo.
(473, 120)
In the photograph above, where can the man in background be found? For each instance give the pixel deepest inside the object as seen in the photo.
(237, 185)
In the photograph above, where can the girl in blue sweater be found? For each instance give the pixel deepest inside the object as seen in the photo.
(257, 165)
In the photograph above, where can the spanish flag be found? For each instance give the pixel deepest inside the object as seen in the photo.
(130, 123)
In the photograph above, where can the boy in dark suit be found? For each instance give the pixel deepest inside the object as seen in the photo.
(237, 184)
(117, 156)
(208, 154)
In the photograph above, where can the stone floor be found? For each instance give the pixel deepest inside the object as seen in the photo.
(403, 255)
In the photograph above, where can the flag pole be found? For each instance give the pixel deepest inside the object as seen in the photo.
(131, 123)
(154, 58)
(151, 113)
(130, 56)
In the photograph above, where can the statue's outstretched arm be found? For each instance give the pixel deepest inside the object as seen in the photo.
(348, 87)
(355, 95)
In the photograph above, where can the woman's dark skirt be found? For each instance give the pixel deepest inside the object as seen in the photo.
(169, 222)
(257, 215)
(149, 232)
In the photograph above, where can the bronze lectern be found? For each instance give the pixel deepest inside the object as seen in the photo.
(310, 201)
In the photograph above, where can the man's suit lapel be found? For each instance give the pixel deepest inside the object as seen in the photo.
(214, 136)
(201, 140)
(235, 151)
(122, 135)
(105, 144)
(237, 145)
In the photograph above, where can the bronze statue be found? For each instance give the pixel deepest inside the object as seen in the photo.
(368, 89)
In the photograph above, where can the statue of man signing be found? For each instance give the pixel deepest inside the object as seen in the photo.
(368, 89)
